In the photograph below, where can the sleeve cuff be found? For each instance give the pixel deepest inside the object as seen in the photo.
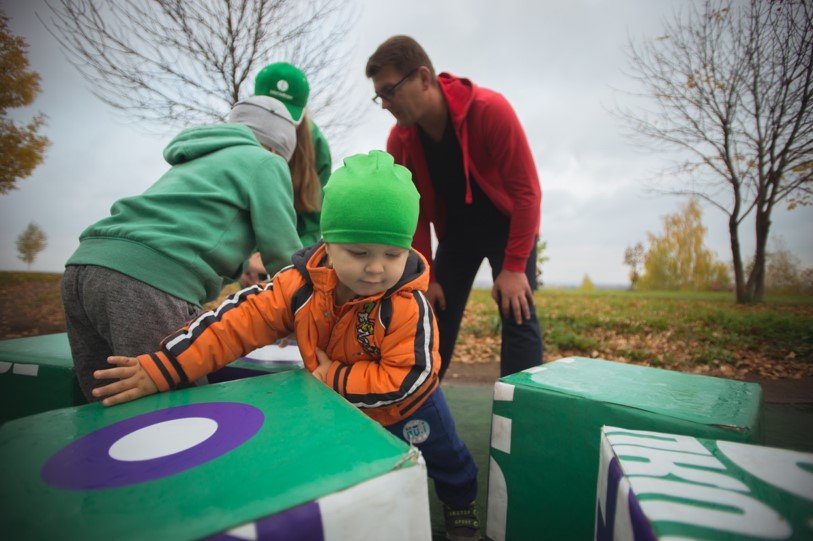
(514, 264)
(154, 370)
(337, 376)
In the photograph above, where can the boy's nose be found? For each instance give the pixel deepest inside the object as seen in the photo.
(375, 267)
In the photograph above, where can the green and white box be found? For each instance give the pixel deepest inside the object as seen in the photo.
(281, 356)
(546, 428)
(36, 375)
(653, 485)
(280, 456)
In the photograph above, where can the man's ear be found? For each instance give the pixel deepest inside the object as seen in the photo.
(426, 77)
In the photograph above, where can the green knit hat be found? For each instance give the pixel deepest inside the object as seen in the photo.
(370, 200)
(286, 83)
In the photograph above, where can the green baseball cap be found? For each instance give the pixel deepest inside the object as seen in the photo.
(286, 83)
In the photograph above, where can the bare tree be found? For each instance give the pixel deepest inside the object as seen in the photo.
(634, 258)
(182, 62)
(731, 88)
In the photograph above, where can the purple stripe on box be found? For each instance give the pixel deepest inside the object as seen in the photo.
(86, 464)
(641, 528)
(303, 523)
(606, 525)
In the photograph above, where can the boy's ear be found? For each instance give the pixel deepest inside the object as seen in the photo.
(328, 262)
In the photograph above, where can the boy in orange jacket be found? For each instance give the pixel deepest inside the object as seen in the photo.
(356, 304)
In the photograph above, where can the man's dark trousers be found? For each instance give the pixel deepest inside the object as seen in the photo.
(457, 260)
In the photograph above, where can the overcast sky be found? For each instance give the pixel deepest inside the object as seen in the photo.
(556, 62)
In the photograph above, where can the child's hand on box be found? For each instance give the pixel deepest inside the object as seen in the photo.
(134, 382)
(324, 365)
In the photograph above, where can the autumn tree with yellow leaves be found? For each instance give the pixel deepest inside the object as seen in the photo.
(22, 148)
(30, 243)
(677, 259)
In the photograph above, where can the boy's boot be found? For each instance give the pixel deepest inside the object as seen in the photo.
(461, 524)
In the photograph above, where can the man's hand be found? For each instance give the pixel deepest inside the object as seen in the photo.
(324, 365)
(513, 293)
(134, 382)
(435, 296)
(254, 273)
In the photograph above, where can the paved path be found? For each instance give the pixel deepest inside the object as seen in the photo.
(786, 391)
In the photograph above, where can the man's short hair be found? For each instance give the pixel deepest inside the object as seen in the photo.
(402, 53)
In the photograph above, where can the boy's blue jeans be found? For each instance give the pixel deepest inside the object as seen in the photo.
(449, 463)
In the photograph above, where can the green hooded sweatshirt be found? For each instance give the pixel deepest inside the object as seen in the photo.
(191, 231)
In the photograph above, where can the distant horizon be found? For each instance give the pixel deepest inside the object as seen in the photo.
(478, 283)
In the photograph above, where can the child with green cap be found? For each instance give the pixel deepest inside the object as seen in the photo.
(357, 307)
(310, 163)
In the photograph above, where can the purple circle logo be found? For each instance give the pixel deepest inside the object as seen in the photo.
(152, 445)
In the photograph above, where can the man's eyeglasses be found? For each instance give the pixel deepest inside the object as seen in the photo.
(389, 93)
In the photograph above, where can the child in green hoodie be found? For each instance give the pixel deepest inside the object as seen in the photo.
(147, 268)
(310, 164)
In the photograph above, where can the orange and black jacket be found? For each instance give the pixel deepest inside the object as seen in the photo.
(384, 347)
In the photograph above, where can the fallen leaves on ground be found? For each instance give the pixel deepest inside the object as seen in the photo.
(31, 308)
(31, 305)
(668, 352)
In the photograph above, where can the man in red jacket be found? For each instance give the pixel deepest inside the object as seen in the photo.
(472, 165)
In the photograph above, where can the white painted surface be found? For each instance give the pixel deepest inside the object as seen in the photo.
(783, 468)
(23, 369)
(273, 352)
(163, 439)
(497, 502)
(394, 507)
(501, 433)
(503, 392)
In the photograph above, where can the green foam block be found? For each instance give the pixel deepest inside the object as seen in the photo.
(546, 429)
(189, 463)
(36, 375)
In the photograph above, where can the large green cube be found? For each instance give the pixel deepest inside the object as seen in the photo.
(546, 430)
(278, 453)
(653, 485)
(36, 374)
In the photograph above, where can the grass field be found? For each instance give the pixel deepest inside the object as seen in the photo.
(704, 333)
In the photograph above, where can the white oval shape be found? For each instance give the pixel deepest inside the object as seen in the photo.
(163, 439)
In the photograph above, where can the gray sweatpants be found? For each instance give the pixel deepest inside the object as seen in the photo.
(109, 313)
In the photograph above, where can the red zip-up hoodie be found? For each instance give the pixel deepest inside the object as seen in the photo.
(496, 156)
